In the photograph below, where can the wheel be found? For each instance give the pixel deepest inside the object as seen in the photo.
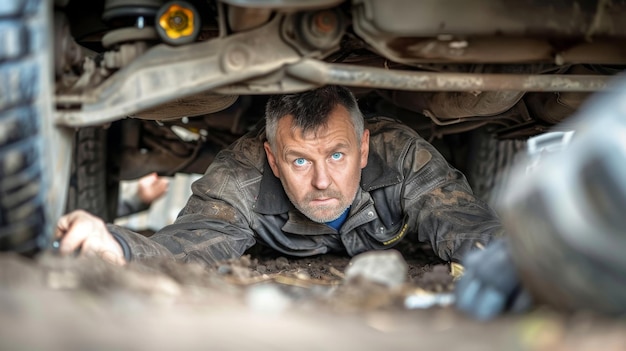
(489, 162)
(25, 85)
(93, 183)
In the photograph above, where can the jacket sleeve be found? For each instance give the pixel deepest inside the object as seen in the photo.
(128, 205)
(441, 206)
(210, 228)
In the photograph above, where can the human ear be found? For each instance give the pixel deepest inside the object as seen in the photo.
(271, 159)
(365, 147)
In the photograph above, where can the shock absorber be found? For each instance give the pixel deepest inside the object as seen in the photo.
(131, 20)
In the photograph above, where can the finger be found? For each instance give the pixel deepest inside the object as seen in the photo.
(73, 238)
(149, 179)
(162, 187)
(164, 182)
(490, 303)
(62, 225)
(81, 227)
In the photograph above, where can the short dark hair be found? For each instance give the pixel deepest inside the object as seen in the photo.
(311, 109)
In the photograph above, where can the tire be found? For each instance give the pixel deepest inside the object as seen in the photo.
(489, 162)
(93, 184)
(25, 86)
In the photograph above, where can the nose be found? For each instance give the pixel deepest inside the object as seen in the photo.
(321, 178)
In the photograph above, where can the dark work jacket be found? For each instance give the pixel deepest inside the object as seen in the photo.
(406, 187)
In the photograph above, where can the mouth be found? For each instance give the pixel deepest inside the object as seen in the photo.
(323, 201)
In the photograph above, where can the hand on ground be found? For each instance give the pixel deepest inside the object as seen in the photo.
(79, 230)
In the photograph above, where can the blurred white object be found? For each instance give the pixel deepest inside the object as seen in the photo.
(544, 144)
(267, 299)
(578, 189)
(426, 299)
(563, 209)
(164, 210)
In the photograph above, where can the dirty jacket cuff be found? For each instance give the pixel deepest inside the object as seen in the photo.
(137, 247)
(123, 243)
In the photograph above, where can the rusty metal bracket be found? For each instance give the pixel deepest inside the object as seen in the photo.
(166, 73)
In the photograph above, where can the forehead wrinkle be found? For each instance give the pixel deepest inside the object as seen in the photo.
(293, 140)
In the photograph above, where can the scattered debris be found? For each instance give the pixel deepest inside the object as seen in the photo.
(384, 267)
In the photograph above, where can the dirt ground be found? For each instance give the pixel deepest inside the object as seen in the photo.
(260, 302)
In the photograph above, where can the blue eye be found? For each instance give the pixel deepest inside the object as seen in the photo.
(299, 162)
(337, 156)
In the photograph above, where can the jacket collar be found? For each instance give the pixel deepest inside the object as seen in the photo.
(273, 200)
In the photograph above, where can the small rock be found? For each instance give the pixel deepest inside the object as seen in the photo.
(282, 263)
(304, 275)
(383, 267)
(245, 261)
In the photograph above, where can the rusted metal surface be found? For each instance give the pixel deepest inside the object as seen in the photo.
(164, 74)
(555, 18)
(241, 19)
(195, 105)
(351, 75)
(455, 104)
(481, 49)
(493, 31)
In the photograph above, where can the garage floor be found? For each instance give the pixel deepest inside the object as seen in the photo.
(258, 303)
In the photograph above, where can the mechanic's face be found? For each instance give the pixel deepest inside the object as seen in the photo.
(321, 170)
